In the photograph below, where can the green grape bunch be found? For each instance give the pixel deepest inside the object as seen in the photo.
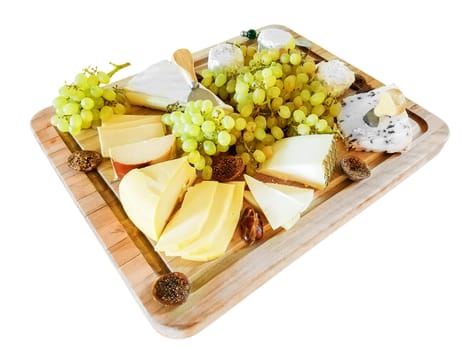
(87, 101)
(275, 95)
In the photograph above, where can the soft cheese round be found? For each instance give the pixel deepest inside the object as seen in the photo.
(225, 56)
(275, 38)
(335, 75)
(392, 134)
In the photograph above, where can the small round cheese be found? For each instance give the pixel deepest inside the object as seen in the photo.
(335, 75)
(225, 56)
(275, 38)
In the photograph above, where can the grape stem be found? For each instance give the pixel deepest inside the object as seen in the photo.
(117, 67)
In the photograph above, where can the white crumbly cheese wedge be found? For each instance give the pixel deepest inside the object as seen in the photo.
(159, 85)
(275, 38)
(393, 133)
(225, 56)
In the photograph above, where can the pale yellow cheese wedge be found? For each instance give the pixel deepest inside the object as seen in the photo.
(188, 222)
(219, 231)
(149, 195)
(308, 159)
(279, 208)
(303, 195)
(115, 136)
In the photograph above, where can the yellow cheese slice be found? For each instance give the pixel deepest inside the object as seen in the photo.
(218, 233)
(188, 222)
(149, 195)
(114, 136)
(279, 208)
(303, 195)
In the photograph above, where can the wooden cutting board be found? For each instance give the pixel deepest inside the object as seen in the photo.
(220, 284)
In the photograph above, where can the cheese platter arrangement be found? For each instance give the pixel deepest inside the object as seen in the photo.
(207, 173)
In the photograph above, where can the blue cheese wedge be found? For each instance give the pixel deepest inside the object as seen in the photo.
(387, 133)
(225, 56)
(275, 38)
(157, 86)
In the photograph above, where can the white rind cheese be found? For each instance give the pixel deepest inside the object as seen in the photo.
(275, 38)
(225, 56)
(159, 85)
(335, 75)
(392, 134)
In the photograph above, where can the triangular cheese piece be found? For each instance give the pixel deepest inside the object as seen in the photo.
(279, 208)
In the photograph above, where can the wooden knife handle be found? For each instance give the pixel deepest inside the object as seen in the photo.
(184, 59)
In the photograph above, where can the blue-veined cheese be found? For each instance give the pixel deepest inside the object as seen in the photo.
(393, 133)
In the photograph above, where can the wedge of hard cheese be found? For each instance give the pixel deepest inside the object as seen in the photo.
(308, 159)
(150, 194)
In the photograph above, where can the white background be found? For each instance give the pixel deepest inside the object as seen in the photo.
(394, 277)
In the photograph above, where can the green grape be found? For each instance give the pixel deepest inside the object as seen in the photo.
(194, 156)
(247, 109)
(311, 119)
(273, 92)
(92, 80)
(317, 98)
(77, 95)
(245, 157)
(65, 91)
(321, 125)
(228, 122)
(335, 109)
(251, 126)
(259, 156)
(284, 112)
(277, 132)
(119, 108)
(240, 123)
(193, 130)
(59, 102)
(305, 95)
(189, 145)
(209, 147)
(303, 129)
(206, 173)
(76, 121)
(109, 94)
(223, 138)
(260, 122)
(206, 73)
(54, 120)
(220, 80)
(290, 82)
(63, 124)
(200, 163)
(298, 116)
(260, 134)
(81, 81)
(71, 108)
(315, 86)
(277, 70)
(295, 58)
(207, 82)
(74, 129)
(197, 118)
(269, 81)
(259, 95)
(86, 117)
(230, 87)
(271, 122)
(318, 110)
(268, 139)
(309, 67)
(206, 107)
(276, 103)
(248, 136)
(87, 103)
(96, 91)
(208, 126)
(103, 77)
(106, 113)
(285, 58)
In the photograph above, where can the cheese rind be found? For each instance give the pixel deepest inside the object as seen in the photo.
(225, 56)
(275, 38)
(149, 195)
(308, 159)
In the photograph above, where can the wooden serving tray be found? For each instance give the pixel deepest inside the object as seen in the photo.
(220, 284)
